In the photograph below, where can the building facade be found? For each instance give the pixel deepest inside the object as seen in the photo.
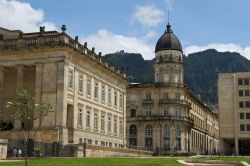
(234, 116)
(88, 95)
(165, 116)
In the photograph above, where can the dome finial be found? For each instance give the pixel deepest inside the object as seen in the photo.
(169, 30)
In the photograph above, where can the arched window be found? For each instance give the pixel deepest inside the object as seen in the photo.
(166, 130)
(132, 130)
(148, 131)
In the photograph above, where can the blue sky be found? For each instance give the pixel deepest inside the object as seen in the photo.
(135, 26)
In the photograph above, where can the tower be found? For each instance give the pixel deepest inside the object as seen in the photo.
(168, 67)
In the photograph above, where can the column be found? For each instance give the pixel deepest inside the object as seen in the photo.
(19, 85)
(38, 89)
(1, 87)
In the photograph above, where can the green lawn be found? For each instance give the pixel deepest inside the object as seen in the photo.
(99, 162)
(247, 159)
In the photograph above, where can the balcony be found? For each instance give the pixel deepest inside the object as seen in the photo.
(161, 118)
(146, 101)
(174, 101)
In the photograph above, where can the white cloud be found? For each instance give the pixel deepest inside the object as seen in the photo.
(169, 4)
(148, 15)
(107, 42)
(244, 51)
(20, 15)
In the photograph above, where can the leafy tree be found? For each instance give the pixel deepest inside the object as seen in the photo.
(26, 110)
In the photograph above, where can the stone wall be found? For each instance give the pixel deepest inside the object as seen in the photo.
(3, 148)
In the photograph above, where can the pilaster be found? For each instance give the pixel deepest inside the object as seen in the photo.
(1, 87)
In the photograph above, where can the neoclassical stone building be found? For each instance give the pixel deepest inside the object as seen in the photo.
(165, 115)
(87, 94)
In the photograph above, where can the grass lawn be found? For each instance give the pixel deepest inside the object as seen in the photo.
(230, 158)
(99, 162)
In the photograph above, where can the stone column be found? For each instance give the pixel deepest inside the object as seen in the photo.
(19, 85)
(38, 89)
(1, 87)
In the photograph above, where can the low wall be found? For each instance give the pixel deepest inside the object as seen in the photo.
(99, 151)
(3, 148)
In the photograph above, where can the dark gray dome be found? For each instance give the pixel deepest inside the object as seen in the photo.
(168, 41)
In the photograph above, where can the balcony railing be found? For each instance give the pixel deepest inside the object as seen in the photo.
(174, 101)
(146, 101)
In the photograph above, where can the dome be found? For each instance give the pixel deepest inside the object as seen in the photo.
(168, 41)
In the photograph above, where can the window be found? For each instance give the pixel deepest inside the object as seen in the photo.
(166, 130)
(80, 117)
(240, 93)
(96, 91)
(248, 127)
(103, 122)
(166, 78)
(148, 112)
(121, 100)
(177, 96)
(247, 115)
(178, 130)
(242, 127)
(166, 142)
(103, 93)
(109, 96)
(109, 124)
(88, 87)
(88, 119)
(120, 128)
(70, 79)
(148, 131)
(241, 104)
(148, 96)
(133, 112)
(178, 112)
(246, 81)
(115, 126)
(96, 121)
(115, 98)
(80, 84)
(246, 92)
(165, 111)
(132, 130)
(176, 78)
(178, 143)
(240, 82)
(165, 96)
(247, 104)
(242, 116)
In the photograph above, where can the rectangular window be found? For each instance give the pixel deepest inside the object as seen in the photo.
(80, 117)
(121, 100)
(88, 119)
(177, 96)
(165, 111)
(178, 112)
(120, 128)
(165, 96)
(133, 112)
(115, 98)
(246, 92)
(166, 78)
(242, 116)
(246, 81)
(148, 112)
(242, 127)
(70, 79)
(248, 127)
(148, 96)
(247, 104)
(247, 115)
(176, 78)
(103, 93)
(241, 104)
(80, 84)
(109, 124)
(240, 93)
(109, 96)
(178, 143)
(96, 121)
(115, 126)
(88, 92)
(96, 91)
(103, 122)
(240, 82)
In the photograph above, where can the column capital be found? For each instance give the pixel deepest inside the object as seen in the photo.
(19, 65)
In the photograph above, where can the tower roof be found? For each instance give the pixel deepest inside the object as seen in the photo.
(168, 41)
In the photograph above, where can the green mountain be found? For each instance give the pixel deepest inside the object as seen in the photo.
(201, 69)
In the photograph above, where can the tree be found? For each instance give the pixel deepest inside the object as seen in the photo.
(26, 110)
